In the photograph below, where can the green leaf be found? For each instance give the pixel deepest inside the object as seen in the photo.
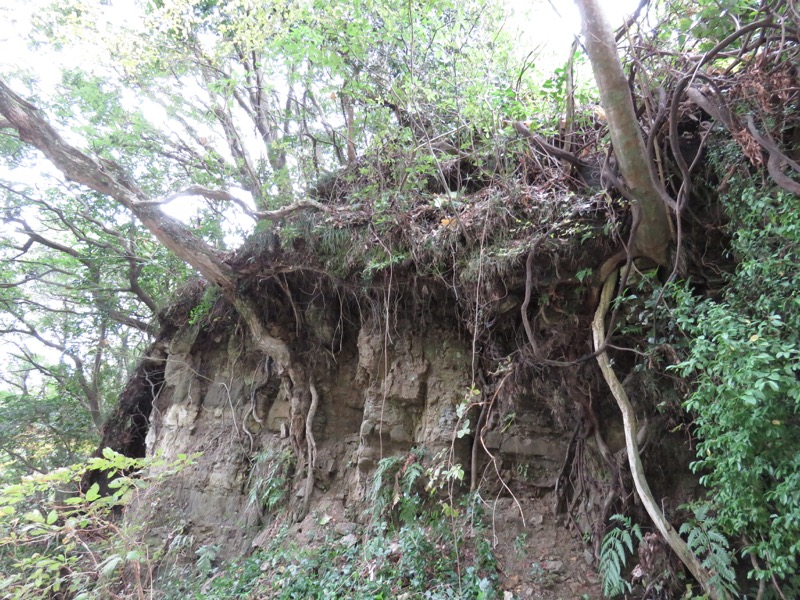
(34, 516)
(93, 493)
(108, 566)
(134, 556)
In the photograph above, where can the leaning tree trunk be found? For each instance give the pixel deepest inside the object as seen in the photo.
(108, 178)
(651, 238)
(652, 234)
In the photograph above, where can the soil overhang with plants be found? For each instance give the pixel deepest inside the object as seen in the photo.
(448, 312)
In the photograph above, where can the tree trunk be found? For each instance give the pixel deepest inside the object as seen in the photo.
(652, 233)
(651, 238)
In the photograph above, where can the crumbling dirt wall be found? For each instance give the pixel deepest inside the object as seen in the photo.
(387, 383)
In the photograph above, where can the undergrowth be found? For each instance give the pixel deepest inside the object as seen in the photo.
(617, 545)
(744, 359)
(59, 542)
(269, 477)
(413, 545)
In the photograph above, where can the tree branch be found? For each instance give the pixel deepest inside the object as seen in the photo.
(267, 215)
(106, 177)
(24, 461)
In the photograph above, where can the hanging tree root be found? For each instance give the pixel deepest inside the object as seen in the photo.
(305, 400)
(279, 351)
(311, 447)
(675, 542)
(473, 483)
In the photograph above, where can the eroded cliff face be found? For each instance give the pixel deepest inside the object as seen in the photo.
(430, 361)
(381, 395)
(415, 389)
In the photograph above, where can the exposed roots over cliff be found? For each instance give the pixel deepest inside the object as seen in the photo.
(454, 307)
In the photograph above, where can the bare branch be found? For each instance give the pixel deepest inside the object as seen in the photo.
(21, 459)
(21, 282)
(280, 213)
(267, 215)
(219, 195)
(35, 237)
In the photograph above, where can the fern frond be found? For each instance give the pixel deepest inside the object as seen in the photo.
(614, 549)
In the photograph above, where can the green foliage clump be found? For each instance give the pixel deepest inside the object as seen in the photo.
(203, 309)
(269, 479)
(745, 355)
(419, 560)
(402, 493)
(413, 546)
(42, 429)
(58, 542)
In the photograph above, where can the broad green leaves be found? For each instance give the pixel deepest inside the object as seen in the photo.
(55, 539)
(746, 355)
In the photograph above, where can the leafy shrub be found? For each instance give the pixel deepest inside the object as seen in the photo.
(201, 312)
(269, 478)
(415, 546)
(56, 540)
(420, 560)
(394, 487)
(45, 428)
(745, 355)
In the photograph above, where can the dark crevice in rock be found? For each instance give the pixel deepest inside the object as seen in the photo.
(126, 430)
